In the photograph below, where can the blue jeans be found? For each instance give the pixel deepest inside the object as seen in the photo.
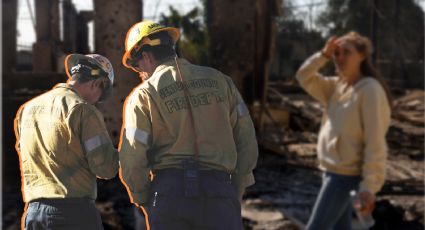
(62, 214)
(333, 207)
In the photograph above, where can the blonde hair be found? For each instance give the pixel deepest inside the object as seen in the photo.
(364, 46)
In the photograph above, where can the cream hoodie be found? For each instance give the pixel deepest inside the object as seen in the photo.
(354, 124)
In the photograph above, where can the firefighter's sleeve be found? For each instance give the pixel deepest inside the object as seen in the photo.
(17, 127)
(135, 137)
(245, 140)
(100, 153)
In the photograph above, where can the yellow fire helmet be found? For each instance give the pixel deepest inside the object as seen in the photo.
(137, 36)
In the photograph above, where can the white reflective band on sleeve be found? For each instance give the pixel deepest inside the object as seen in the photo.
(95, 142)
(242, 110)
(136, 134)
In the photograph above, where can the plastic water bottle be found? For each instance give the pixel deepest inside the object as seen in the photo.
(364, 222)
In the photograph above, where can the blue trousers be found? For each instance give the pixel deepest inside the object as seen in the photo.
(216, 208)
(62, 214)
(333, 207)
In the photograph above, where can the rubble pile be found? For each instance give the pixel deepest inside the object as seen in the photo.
(407, 128)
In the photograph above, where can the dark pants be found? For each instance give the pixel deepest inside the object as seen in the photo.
(62, 214)
(333, 208)
(217, 206)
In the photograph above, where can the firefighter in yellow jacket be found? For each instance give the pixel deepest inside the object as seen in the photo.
(189, 126)
(63, 146)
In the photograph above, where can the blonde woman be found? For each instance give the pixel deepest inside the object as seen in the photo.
(351, 148)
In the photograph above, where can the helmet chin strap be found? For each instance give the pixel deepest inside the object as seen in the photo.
(143, 75)
(190, 110)
(178, 68)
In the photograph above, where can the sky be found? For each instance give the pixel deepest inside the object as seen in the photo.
(152, 10)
